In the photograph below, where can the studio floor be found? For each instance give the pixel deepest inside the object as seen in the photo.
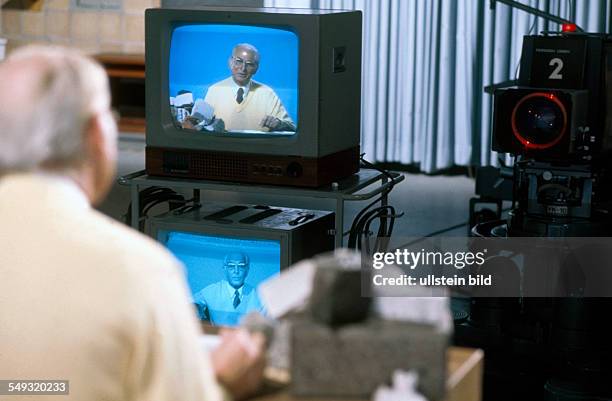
(430, 203)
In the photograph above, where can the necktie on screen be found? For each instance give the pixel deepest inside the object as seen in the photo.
(236, 299)
(240, 95)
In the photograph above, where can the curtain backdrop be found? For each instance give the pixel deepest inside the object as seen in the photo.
(425, 63)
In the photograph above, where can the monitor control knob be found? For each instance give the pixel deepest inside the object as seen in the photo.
(294, 169)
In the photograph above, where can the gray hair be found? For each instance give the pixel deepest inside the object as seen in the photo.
(236, 256)
(48, 96)
(248, 47)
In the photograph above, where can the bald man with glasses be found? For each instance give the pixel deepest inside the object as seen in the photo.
(243, 103)
(224, 302)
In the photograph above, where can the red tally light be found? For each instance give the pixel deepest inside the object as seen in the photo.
(568, 27)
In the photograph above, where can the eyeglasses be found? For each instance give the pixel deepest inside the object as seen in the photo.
(236, 266)
(238, 62)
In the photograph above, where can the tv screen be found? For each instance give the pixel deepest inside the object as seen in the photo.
(223, 273)
(234, 80)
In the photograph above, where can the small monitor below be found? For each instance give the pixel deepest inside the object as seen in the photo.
(223, 272)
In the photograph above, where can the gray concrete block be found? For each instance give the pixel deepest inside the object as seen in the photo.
(354, 360)
(336, 294)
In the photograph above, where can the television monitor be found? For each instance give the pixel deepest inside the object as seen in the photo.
(253, 95)
(215, 264)
(228, 250)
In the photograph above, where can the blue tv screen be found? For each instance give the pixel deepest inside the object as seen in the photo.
(235, 80)
(223, 273)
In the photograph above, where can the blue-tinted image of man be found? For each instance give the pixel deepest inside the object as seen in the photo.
(224, 302)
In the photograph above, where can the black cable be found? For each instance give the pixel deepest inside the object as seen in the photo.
(518, 64)
(363, 226)
(151, 197)
(447, 229)
(352, 242)
(383, 232)
(385, 214)
(161, 199)
(383, 171)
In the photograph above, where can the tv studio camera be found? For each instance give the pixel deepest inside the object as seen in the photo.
(557, 125)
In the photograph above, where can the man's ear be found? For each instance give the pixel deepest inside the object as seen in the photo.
(229, 62)
(104, 130)
(100, 147)
(94, 137)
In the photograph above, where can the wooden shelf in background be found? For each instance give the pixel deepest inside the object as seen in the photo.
(126, 73)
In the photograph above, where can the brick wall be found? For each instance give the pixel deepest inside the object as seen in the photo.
(95, 31)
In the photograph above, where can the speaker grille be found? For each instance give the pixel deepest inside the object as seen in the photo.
(218, 166)
(174, 162)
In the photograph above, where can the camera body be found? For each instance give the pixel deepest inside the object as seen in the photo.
(543, 122)
(558, 122)
(560, 110)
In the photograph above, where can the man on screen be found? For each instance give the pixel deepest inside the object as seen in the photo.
(224, 302)
(242, 103)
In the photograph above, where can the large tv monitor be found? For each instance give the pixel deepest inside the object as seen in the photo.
(253, 95)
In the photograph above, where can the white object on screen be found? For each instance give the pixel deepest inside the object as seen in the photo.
(183, 99)
(181, 114)
(203, 111)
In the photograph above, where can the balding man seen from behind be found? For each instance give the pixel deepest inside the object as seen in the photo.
(84, 298)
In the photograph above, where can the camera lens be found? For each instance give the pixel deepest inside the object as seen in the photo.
(539, 120)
